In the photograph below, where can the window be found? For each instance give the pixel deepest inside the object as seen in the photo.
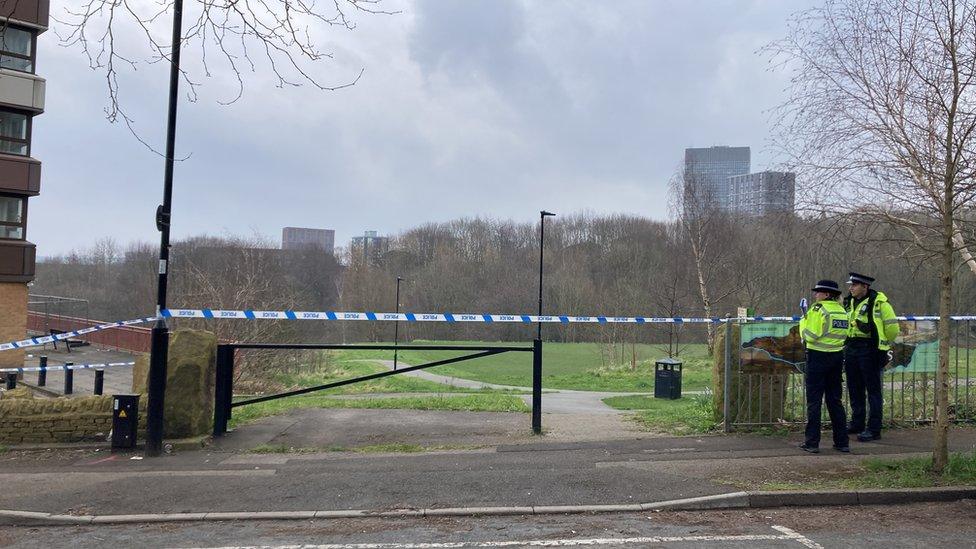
(14, 132)
(16, 48)
(13, 217)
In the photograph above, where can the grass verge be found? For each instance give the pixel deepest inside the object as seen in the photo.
(462, 403)
(685, 416)
(915, 472)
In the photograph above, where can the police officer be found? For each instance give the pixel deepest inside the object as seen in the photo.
(873, 328)
(823, 329)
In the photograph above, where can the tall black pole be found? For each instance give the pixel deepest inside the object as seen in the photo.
(396, 324)
(542, 240)
(160, 333)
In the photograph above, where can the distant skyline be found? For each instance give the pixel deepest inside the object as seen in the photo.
(479, 108)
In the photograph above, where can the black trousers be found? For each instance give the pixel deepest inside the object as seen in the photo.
(863, 363)
(824, 382)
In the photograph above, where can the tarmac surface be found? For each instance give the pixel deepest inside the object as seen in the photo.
(941, 525)
(491, 468)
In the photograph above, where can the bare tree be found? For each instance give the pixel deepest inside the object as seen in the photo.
(235, 36)
(707, 230)
(881, 122)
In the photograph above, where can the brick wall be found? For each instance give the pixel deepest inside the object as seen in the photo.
(87, 419)
(13, 321)
(126, 338)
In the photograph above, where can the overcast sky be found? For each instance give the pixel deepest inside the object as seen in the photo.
(468, 108)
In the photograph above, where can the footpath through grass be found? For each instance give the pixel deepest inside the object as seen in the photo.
(577, 366)
(913, 472)
(352, 364)
(459, 403)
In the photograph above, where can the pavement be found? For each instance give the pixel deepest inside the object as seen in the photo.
(117, 380)
(480, 464)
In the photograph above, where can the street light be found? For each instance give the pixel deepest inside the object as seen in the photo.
(542, 238)
(159, 349)
(396, 324)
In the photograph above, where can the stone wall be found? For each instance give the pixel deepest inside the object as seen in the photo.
(13, 321)
(30, 420)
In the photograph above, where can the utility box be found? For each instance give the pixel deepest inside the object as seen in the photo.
(125, 421)
(667, 378)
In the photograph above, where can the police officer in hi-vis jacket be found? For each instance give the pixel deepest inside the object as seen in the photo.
(823, 329)
(873, 328)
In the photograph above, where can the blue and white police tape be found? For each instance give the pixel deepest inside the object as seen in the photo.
(249, 314)
(37, 341)
(65, 367)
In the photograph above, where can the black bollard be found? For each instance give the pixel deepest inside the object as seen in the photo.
(99, 381)
(42, 373)
(11, 380)
(69, 378)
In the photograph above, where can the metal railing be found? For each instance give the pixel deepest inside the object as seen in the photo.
(764, 363)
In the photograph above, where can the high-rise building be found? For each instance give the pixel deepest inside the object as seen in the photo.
(762, 193)
(707, 172)
(371, 246)
(21, 99)
(301, 238)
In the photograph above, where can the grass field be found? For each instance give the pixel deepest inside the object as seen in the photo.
(351, 364)
(578, 366)
(460, 403)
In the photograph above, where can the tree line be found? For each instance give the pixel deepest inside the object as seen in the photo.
(614, 265)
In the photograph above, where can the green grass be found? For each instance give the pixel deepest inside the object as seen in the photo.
(578, 366)
(3, 449)
(893, 473)
(351, 364)
(685, 416)
(465, 403)
(391, 448)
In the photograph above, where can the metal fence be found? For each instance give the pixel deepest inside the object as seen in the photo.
(764, 363)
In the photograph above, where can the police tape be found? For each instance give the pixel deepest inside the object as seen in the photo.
(38, 341)
(65, 367)
(250, 314)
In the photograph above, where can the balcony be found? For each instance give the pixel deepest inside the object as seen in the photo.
(22, 90)
(34, 13)
(20, 175)
(16, 261)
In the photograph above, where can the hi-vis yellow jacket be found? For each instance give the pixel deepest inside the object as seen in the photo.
(824, 327)
(873, 318)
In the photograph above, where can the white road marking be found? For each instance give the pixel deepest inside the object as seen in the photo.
(793, 534)
(113, 475)
(787, 535)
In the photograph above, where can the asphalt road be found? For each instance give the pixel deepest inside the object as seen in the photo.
(936, 525)
(523, 474)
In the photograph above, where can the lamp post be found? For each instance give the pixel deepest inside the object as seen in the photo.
(159, 349)
(542, 238)
(396, 324)
(537, 344)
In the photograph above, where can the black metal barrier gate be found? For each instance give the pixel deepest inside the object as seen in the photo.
(224, 392)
